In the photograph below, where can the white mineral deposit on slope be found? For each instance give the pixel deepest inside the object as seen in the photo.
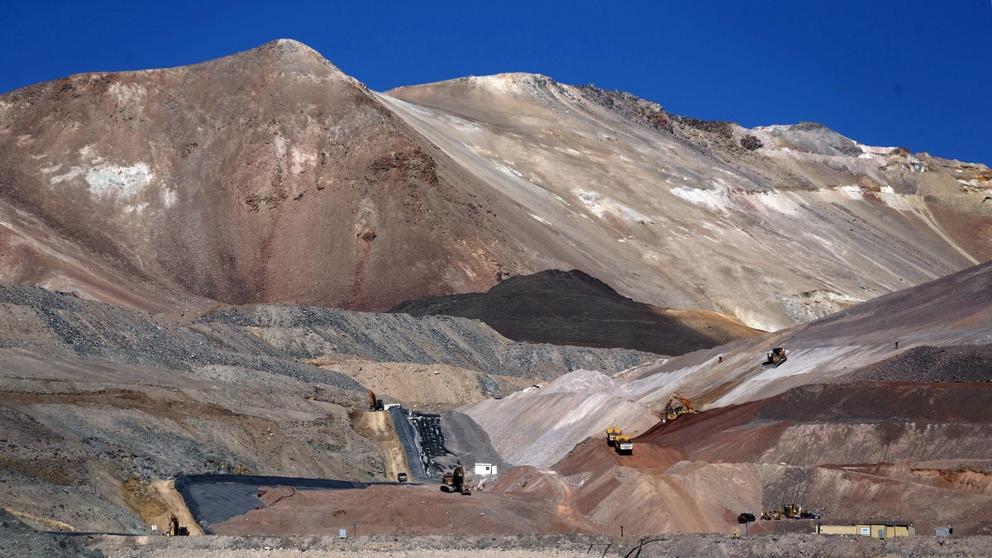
(573, 407)
(685, 208)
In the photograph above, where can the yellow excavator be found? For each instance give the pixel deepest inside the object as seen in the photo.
(455, 481)
(789, 511)
(677, 406)
(375, 404)
(175, 529)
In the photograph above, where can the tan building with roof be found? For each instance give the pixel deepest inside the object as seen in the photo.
(873, 529)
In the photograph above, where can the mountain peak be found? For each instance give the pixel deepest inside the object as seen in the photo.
(514, 83)
(292, 47)
(292, 56)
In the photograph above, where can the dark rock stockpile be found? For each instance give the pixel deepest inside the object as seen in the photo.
(307, 332)
(961, 363)
(574, 308)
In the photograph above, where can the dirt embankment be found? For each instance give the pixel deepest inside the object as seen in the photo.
(378, 426)
(539, 425)
(920, 449)
(424, 386)
(98, 403)
(157, 502)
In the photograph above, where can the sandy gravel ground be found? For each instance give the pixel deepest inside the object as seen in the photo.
(684, 546)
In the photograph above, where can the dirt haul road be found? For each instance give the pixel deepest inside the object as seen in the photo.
(378, 426)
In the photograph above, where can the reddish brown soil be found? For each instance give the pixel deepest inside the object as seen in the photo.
(884, 401)
(408, 510)
(971, 230)
(823, 446)
(743, 432)
(703, 433)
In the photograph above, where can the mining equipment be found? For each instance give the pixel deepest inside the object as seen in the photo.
(677, 406)
(375, 404)
(455, 481)
(611, 435)
(789, 511)
(776, 357)
(401, 477)
(175, 529)
(623, 445)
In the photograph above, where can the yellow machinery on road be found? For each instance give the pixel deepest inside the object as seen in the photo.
(175, 529)
(375, 404)
(776, 357)
(677, 406)
(455, 481)
(623, 445)
(789, 511)
(611, 435)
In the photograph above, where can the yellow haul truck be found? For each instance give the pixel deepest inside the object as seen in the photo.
(623, 445)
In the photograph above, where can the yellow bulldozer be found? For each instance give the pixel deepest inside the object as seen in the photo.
(677, 406)
(455, 481)
(776, 357)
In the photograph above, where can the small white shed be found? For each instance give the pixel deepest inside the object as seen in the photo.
(485, 469)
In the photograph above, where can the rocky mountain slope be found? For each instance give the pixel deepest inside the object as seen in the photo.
(270, 176)
(572, 308)
(776, 225)
(264, 176)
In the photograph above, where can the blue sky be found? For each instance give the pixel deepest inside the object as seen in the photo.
(916, 74)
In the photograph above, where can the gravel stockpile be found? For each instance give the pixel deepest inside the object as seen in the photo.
(45, 320)
(959, 363)
(307, 332)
